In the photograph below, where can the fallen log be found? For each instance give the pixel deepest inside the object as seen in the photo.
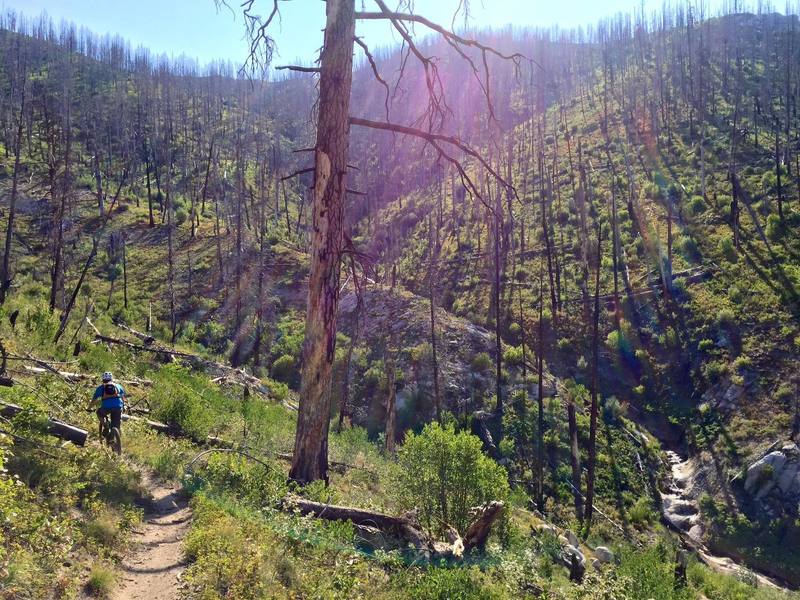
(56, 428)
(406, 528)
(224, 373)
(211, 440)
(75, 377)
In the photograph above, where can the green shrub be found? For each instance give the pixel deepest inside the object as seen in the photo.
(775, 229)
(612, 410)
(688, 248)
(513, 355)
(727, 249)
(285, 370)
(650, 574)
(726, 318)
(481, 363)
(705, 345)
(448, 584)
(715, 370)
(444, 474)
(253, 483)
(784, 393)
(101, 582)
(642, 513)
(697, 205)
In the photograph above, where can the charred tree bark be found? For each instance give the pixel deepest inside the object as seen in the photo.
(432, 251)
(310, 456)
(590, 476)
(5, 276)
(575, 458)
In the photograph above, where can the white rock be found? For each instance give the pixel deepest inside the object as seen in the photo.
(776, 460)
(573, 539)
(603, 554)
(787, 479)
(570, 551)
(544, 528)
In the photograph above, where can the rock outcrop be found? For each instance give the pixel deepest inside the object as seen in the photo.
(775, 477)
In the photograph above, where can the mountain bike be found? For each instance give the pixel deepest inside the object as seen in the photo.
(110, 435)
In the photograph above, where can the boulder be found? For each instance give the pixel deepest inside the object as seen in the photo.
(678, 506)
(787, 481)
(569, 551)
(573, 539)
(762, 474)
(776, 475)
(596, 564)
(603, 554)
(544, 528)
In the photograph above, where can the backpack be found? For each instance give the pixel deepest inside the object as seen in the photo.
(110, 390)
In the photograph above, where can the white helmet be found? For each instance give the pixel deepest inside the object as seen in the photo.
(108, 376)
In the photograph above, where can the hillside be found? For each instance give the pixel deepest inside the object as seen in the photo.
(158, 225)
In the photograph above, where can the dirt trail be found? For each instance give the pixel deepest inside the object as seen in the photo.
(154, 567)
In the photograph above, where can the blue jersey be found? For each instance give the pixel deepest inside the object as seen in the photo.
(110, 401)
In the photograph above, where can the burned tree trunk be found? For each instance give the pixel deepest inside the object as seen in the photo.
(310, 460)
(575, 458)
(594, 408)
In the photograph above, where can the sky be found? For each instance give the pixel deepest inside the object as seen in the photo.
(198, 29)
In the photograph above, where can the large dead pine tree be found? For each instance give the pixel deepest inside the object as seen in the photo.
(310, 460)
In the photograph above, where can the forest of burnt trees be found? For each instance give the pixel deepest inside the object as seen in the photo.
(556, 178)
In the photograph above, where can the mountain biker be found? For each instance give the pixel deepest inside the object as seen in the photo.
(111, 396)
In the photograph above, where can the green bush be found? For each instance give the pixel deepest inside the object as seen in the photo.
(775, 229)
(650, 574)
(513, 355)
(697, 205)
(726, 318)
(727, 249)
(285, 370)
(688, 248)
(101, 582)
(444, 474)
(448, 584)
(481, 363)
(253, 483)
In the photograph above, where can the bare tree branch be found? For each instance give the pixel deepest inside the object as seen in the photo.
(298, 172)
(433, 138)
(457, 42)
(375, 72)
(437, 102)
(256, 28)
(297, 68)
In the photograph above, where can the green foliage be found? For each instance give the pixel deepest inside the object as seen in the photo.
(481, 363)
(444, 474)
(284, 369)
(697, 205)
(251, 483)
(775, 229)
(448, 584)
(101, 581)
(650, 573)
(727, 249)
(512, 355)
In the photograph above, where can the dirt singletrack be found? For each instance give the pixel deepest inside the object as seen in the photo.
(154, 568)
